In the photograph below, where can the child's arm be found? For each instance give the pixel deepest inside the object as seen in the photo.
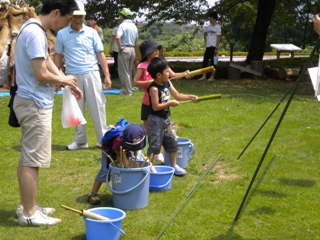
(181, 96)
(136, 80)
(156, 106)
(179, 74)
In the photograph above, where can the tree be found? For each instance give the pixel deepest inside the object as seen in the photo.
(285, 21)
(260, 31)
(34, 3)
(290, 21)
(178, 11)
(181, 43)
(154, 31)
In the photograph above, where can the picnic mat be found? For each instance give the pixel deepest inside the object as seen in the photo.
(111, 91)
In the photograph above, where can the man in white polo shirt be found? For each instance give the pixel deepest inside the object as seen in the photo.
(83, 49)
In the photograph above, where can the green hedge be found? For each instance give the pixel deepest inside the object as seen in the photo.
(198, 54)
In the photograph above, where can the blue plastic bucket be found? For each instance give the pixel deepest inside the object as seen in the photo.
(162, 179)
(185, 149)
(130, 186)
(104, 229)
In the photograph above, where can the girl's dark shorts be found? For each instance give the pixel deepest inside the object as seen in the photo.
(144, 112)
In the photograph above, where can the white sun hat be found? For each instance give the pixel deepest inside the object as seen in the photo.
(80, 11)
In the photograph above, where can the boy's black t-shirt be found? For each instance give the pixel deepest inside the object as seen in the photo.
(164, 96)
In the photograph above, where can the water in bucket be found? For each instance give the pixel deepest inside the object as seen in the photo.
(104, 229)
(130, 186)
(185, 149)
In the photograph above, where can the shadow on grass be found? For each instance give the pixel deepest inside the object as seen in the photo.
(306, 183)
(269, 193)
(7, 218)
(254, 190)
(229, 235)
(263, 210)
(106, 200)
(79, 237)
(16, 148)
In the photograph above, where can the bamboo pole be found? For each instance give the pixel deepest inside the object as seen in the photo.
(86, 213)
(110, 158)
(124, 159)
(296, 85)
(196, 72)
(204, 98)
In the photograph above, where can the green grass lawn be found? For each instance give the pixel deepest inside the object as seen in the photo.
(284, 199)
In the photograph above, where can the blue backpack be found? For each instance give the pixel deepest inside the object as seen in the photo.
(114, 132)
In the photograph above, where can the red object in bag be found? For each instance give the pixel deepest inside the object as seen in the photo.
(74, 121)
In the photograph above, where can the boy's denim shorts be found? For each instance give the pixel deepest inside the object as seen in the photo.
(159, 133)
(102, 174)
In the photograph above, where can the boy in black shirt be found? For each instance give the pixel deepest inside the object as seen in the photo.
(159, 132)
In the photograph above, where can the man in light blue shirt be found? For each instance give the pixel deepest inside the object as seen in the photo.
(83, 49)
(127, 36)
(36, 76)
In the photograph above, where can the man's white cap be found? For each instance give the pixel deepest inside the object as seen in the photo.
(81, 11)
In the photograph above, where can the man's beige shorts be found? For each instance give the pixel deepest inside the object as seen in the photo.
(35, 127)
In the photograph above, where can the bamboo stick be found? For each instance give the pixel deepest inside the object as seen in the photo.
(110, 158)
(196, 72)
(124, 159)
(135, 164)
(204, 98)
(87, 213)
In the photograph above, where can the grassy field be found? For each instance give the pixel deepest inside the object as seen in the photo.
(284, 199)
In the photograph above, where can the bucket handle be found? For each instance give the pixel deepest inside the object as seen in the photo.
(191, 149)
(157, 186)
(119, 229)
(128, 190)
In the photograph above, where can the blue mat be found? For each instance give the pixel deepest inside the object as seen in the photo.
(4, 94)
(111, 91)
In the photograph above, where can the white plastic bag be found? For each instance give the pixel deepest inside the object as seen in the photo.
(71, 114)
(215, 59)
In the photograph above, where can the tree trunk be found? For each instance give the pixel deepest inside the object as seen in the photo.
(258, 39)
(288, 73)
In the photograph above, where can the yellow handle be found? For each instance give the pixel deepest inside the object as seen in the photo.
(72, 209)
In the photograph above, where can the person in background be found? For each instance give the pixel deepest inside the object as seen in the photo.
(83, 49)
(159, 131)
(127, 36)
(149, 49)
(92, 22)
(132, 139)
(114, 49)
(316, 23)
(212, 36)
(36, 76)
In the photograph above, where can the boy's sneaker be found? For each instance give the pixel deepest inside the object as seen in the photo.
(37, 219)
(93, 199)
(179, 171)
(46, 211)
(74, 146)
(159, 157)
